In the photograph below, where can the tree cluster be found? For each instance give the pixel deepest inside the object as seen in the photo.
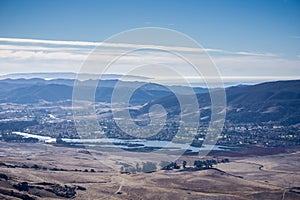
(147, 167)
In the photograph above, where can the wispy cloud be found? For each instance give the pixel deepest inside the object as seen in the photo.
(20, 41)
(17, 47)
(255, 54)
(54, 42)
(32, 55)
(40, 55)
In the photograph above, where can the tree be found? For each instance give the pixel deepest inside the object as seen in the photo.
(149, 167)
(5, 177)
(214, 162)
(165, 165)
(138, 168)
(59, 139)
(198, 164)
(184, 164)
(22, 186)
(207, 164)
(35, 166)
(175, 166)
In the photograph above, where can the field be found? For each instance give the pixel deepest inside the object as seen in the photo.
(42, 171)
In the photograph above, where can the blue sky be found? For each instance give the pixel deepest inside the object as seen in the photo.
(269, 27)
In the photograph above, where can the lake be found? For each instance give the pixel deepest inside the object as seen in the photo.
(126, 143)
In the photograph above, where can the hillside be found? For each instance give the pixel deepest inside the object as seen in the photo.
(272, 101)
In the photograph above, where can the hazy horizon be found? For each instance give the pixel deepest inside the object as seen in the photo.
(72, 75)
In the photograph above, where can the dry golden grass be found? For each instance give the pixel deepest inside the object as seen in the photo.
(271, 182)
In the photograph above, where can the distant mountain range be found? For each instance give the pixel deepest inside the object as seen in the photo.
(68, 75)
(30, 91)
(272, 101)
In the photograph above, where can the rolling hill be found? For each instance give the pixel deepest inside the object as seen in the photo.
(271, 101)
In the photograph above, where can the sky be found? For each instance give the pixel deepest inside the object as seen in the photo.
(249, 39)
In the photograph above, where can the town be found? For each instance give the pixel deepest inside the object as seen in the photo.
(56, 120)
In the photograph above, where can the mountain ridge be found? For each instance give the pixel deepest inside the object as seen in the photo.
(277, 101)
